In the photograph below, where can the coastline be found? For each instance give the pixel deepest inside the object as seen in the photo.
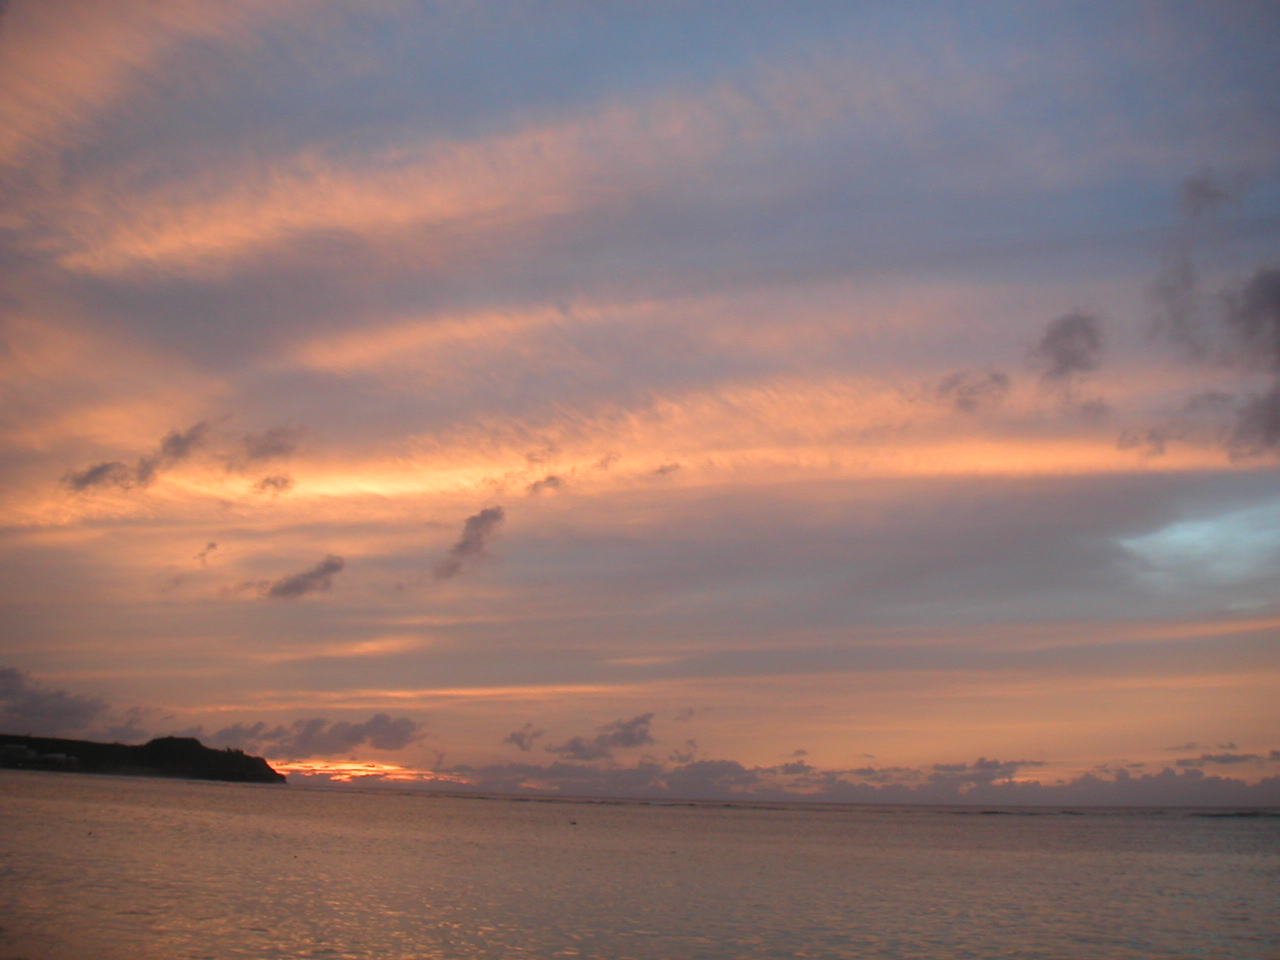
(176, 757)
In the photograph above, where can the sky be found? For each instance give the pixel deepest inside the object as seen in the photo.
(832, 401)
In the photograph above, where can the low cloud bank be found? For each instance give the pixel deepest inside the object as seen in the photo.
(315, 738)
(983, 782)
(29, 707)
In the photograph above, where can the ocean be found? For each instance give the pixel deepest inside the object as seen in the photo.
(100, 868)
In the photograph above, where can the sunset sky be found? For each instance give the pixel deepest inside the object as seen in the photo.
(665, 398)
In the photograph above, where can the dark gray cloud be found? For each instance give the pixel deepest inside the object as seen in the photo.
(132, 727)
(973, 392)
(981, 783)
(476, 533)
(620, 734)
(1254, 315)
(1072, 344)
(1212, 418)
(317, 737)
(1238, 327)
(794, 768)
(315, 579)
(27, 706)
(178, 446)
(980, 771)
(686, 754)
(1257, 427)
(1206, 190)
(175, 447)
(1182, 314)
(275, 483)
(524, 737)
(1245, 334)
(110, 473)
(667, 469)
(549, 482)
(272, 443)
(203, 555)
(1220, 759)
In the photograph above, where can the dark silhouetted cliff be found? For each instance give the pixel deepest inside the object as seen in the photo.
(162, 757)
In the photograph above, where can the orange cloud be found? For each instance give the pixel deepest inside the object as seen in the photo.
(63, 69)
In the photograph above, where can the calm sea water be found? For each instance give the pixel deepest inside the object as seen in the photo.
(113, 867)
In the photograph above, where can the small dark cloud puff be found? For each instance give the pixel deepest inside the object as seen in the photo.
(312, 580)
(619, 734)
(667, 469)
(524, 737)
(318, 737)
(476, 533)
(1071, 345)
(1206, 190)
(549, 482)
(970, 392)
(175, 447)
(277, 483)
(203, 556)
(272, 443)
(29, 707)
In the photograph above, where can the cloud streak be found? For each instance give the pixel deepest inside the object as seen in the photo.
(317, 579)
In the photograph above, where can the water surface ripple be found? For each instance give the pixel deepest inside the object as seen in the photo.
(111, 868)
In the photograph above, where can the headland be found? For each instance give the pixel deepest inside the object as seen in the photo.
(184, 757)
